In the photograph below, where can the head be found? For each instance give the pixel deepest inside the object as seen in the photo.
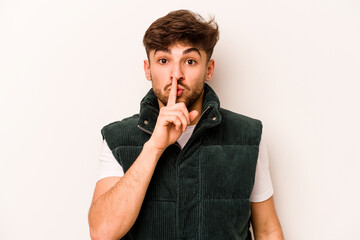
(179, 45)
(185, 27)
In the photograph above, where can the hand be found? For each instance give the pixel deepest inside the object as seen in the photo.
(172, 121)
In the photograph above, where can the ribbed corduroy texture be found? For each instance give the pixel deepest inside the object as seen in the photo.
(201, 191)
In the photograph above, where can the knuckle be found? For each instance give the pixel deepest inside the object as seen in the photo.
(184, 108)
(179, 114)
(182, 104)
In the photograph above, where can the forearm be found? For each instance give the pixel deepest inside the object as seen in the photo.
(275, 235)
(112, 215)
(269, 230)
(265, 223)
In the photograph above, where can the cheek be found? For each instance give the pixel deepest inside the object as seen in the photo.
(159, 78)
(194, 73)
(159, 72)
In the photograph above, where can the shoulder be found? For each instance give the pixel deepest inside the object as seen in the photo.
(120, 132)
(120, 126)
(229, 117)
(240, 126)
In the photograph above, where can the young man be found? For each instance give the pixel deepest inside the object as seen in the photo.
(183, 168)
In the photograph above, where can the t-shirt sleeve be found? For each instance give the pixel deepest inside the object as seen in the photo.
(108, 166)
(263, 188)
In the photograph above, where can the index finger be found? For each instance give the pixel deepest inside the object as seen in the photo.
(173, 93)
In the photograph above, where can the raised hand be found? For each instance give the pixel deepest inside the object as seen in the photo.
(172, 121)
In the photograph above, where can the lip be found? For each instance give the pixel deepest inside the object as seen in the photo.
(180, 92)
(177, 87)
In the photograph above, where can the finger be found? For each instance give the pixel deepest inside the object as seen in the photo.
(176, 122)
(193, 114)
(185, 111)
(172, 119)
(173, 93)
(182, 108)
(184, 121)
(180, 115)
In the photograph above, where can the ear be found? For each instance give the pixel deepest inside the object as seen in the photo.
(147, 70)
(210, 69)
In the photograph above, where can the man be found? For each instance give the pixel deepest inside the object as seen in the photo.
(184, 167)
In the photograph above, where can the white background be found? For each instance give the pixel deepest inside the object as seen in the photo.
(67, 68)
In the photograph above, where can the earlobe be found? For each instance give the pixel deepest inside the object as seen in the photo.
(147, 70)
(210, 70)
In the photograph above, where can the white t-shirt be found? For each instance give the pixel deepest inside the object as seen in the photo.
(263, 189)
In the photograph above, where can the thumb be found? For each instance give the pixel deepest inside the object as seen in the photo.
(193, 114)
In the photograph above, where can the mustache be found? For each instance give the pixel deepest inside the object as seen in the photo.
(179, 84)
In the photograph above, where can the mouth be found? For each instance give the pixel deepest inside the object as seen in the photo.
(179, 89)
(180, 92)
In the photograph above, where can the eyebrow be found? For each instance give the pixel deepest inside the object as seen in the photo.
(189, 50)
(192, 50)
(166, 50)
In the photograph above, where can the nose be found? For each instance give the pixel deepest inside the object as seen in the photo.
(177, 72)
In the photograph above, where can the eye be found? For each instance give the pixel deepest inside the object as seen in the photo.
(162, 60)
(190, 62)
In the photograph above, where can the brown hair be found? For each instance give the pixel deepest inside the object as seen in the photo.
(182, 26)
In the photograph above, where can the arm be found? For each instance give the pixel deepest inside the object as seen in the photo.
(265, 222)
(117, 201)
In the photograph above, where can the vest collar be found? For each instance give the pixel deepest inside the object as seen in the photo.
(210, 114)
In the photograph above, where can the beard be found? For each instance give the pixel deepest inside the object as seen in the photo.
(189, 97)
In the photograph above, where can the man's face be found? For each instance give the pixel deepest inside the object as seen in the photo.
(185, 63)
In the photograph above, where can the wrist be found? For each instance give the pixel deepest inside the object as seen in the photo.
(151, 146)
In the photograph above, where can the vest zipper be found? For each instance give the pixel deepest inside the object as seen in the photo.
(203, 112)
(179, 160)
(198, 122)
(147, 131)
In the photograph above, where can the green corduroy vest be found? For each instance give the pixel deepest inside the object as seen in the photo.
(201, 191)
